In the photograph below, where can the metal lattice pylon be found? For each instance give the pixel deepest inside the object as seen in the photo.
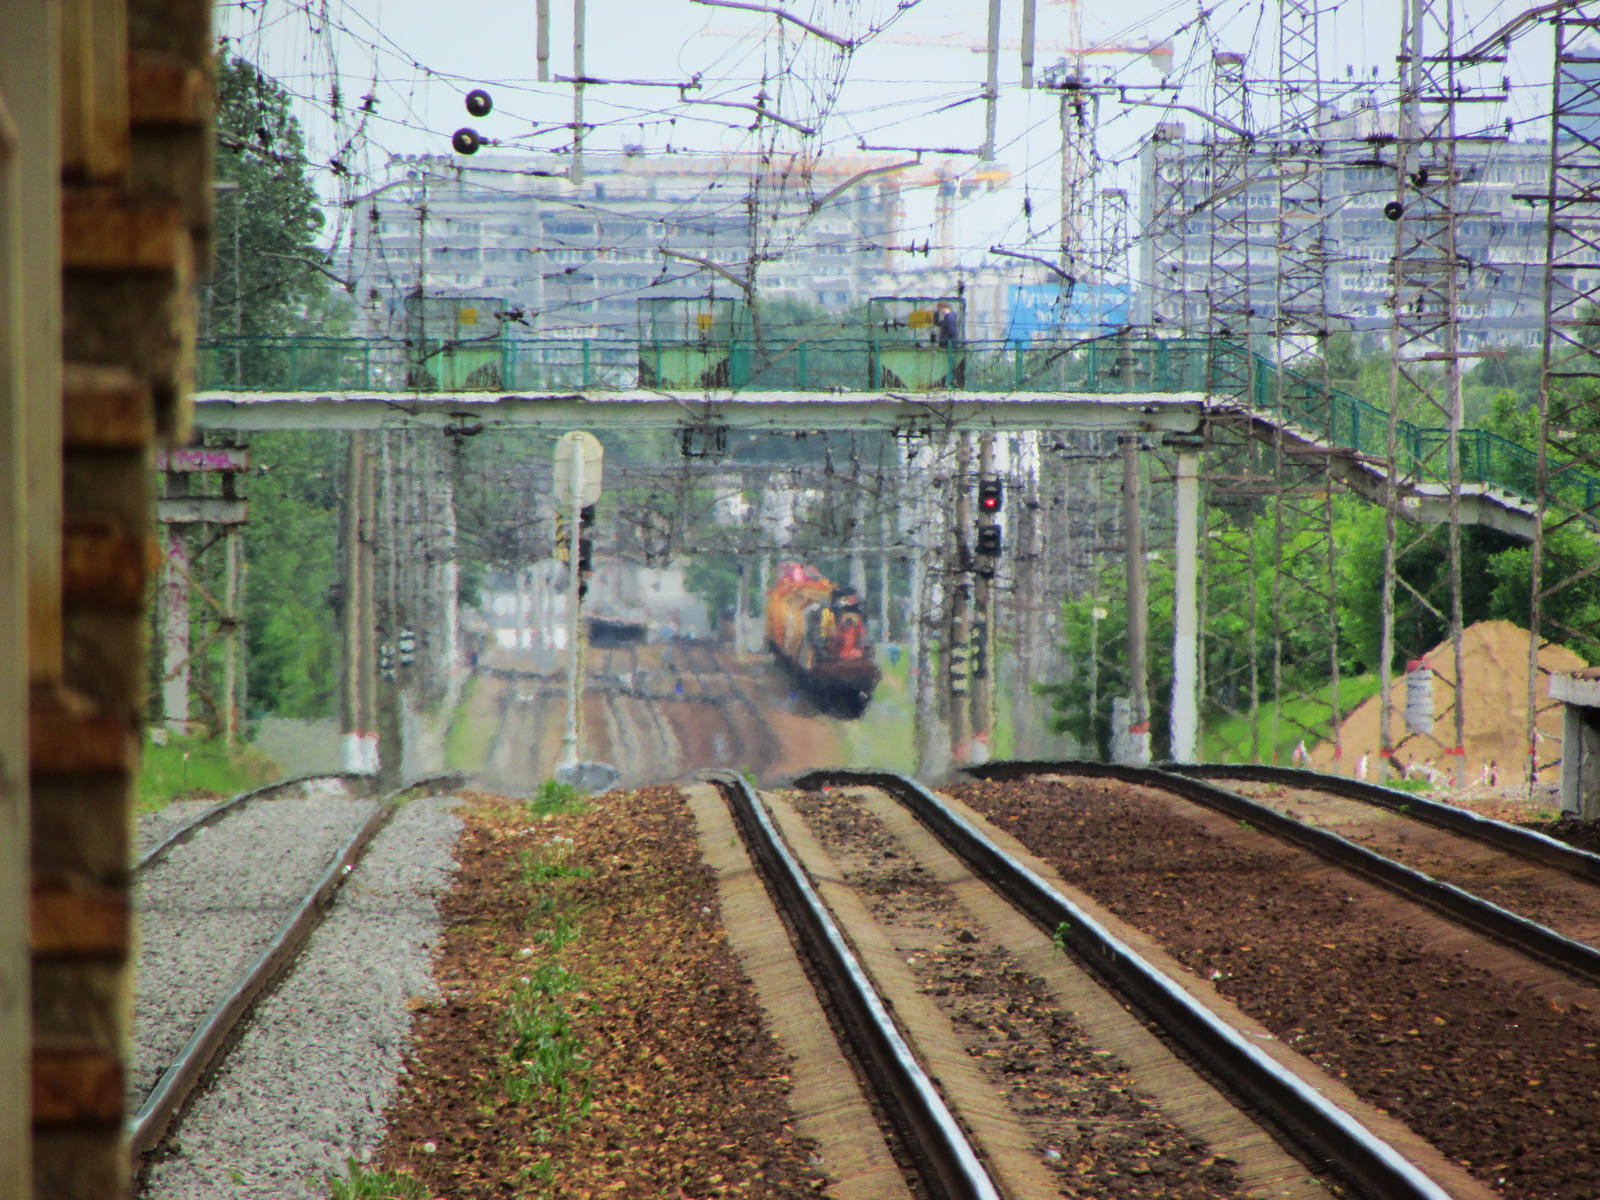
(1235, 477)
(1304, 603)
(1425, 344)
(1568, 513)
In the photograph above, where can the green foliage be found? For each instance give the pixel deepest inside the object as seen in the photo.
(362, 1184)
(1299, 718)
(469, 584)
(1569, 615)
(546, 1052)
(199, 767)
(1424, 566)
(291, 543)
(544, 1060)
(264, 280)
(555, 799)
(715, 579)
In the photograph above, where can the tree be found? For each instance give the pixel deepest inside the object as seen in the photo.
(266, 277)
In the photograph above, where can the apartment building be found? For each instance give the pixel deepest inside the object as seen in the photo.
(1205, 234)
(554, 259)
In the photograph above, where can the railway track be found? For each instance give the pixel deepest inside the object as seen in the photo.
(1451, 900)
(209, 950)
(1468, 1021)
(961, 1135)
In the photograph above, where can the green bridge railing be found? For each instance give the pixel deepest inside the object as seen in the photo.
(1142, 365)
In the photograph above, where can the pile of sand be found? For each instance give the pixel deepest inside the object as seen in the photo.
(1494, 658)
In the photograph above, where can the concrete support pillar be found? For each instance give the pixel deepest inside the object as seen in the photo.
(958, 650)
(1138, 741)
(1186, 618)
(885, 564)
(984, 665)
(175, 630)
(230, 636)
(359, 728)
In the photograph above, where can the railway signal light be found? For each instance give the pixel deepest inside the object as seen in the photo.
(407, 645)
(989, 542)
(478, 103)
(991, 496)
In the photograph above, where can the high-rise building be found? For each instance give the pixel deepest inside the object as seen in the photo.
(1499, 232)
(564, 261)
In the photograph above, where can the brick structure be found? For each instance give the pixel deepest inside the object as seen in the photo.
(105, 198)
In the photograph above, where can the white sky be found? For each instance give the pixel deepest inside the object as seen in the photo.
(420, 57)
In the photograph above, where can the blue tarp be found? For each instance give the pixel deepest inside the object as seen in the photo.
(1035, 309)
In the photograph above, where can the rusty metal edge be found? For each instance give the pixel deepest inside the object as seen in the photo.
(1525, 843)
(1455, 904)
(960, 1174)
(147, 1126)
(1303, 1114)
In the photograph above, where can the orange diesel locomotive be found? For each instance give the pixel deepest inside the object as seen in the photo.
(819, 634)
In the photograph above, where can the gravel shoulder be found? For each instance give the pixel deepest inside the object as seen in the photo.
(209, 908)
(1499, 1076)
(304, 1089)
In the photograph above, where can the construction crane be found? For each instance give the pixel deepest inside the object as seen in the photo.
(953, 184)
(1160, 54)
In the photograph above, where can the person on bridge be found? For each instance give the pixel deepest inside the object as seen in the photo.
(946, 330)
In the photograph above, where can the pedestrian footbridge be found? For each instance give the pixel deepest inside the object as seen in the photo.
(1173, 386)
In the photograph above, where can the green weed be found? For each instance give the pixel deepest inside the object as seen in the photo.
(1059, 937)
(556, 799)
(362, 1184)
(553, 860)
(562, 930)
(546, 1059)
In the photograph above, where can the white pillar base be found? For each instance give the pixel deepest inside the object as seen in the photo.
(361, 753)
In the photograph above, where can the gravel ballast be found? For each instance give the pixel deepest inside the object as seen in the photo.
(1383, 994)
(303, 1091)
(208, 910)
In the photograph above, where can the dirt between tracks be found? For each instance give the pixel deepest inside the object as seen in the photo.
(1585, 835)
(1492, 1075)
(597, 1036)
(1552, 897)
(1099, 1137)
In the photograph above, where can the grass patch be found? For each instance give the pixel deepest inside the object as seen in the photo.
(200, 768)
(471, 731)
(555, 799)
(546, 1054)
(1299, 719)
(883, 736)
(362, 1184)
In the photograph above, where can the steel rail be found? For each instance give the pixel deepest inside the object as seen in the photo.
(222, 808)
(1299, 1110)
(958, 1172)
(147, 1126)
(1454, 903)
(1524, 843)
